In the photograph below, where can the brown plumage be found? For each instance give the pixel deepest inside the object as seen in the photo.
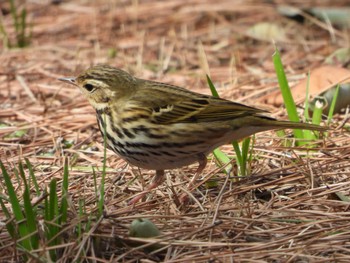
(159, 126)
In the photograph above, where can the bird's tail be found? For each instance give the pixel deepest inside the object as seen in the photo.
(275, 124)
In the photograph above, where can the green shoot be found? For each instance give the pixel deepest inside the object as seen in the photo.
(51, 219)
(213, 90)
(241, 154)
(32, 178)
(30, 211)
(286, 92)
(306, 104)
(22, 222)
(333, 103)
(64, 197)
(290, 104)
(23, 231)
(19, 19)
(308, 135)
(223, 160)
(81, 212)
(245, 151)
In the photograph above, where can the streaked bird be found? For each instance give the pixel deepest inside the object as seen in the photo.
(160, 126)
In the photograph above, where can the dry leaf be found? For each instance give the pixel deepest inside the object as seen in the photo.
(321, 79)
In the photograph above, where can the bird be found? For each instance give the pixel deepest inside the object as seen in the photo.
(159, 126)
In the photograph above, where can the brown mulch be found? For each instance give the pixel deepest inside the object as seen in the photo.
(294, 206)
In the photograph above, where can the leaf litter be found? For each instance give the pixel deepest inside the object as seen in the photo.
(294, 206)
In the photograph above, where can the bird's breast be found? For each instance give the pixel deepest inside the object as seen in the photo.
(154, 146)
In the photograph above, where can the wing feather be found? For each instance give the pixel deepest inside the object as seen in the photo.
(171, 104)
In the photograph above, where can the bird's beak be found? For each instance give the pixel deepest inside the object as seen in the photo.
(68, 80)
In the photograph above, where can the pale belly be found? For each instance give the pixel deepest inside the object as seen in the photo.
(159, 156)
(170, 146)
(151, 149)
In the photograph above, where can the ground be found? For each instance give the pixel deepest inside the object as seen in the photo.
(292, 207)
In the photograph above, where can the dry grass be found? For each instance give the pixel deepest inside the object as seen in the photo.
(289, 209)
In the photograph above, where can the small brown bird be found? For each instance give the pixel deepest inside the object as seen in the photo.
(159, 126)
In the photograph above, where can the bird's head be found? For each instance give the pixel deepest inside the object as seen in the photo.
(102, 83)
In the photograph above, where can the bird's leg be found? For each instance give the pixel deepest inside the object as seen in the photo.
(156, 181)
(202, 160)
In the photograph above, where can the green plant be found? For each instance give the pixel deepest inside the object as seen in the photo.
(23, 223)
(332, 107)
(21, 226)
(291, 108)
(242, 151)
(19, 18)
(286, 92)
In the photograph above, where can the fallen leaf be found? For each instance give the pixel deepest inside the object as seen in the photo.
(321, 79)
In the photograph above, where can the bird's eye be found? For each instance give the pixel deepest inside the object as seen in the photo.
(89, 87)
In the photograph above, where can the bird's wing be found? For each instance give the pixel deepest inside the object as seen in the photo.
(169, 104)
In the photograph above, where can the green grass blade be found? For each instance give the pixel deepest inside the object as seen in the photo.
(18, 178)
(10, 226)
(242, 155)
(308, 135)
(46, 207)
(286, 93)
(13, 11)
(306, 104)
(245, 153)
(220, 155)
(79, 227)
(3, 32)
(251, 146)
(53, 199)
(30, 211)
(333, 103)
(22, 174)
(343, 197)
(53, 217)
(17, 211)
(237, 149)
(32, 218)
(223, 159)
(21, 39)
(64, 201)
(32, 177)
(95, 181)
(20, 23)
(212, 87)
(53, 210)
